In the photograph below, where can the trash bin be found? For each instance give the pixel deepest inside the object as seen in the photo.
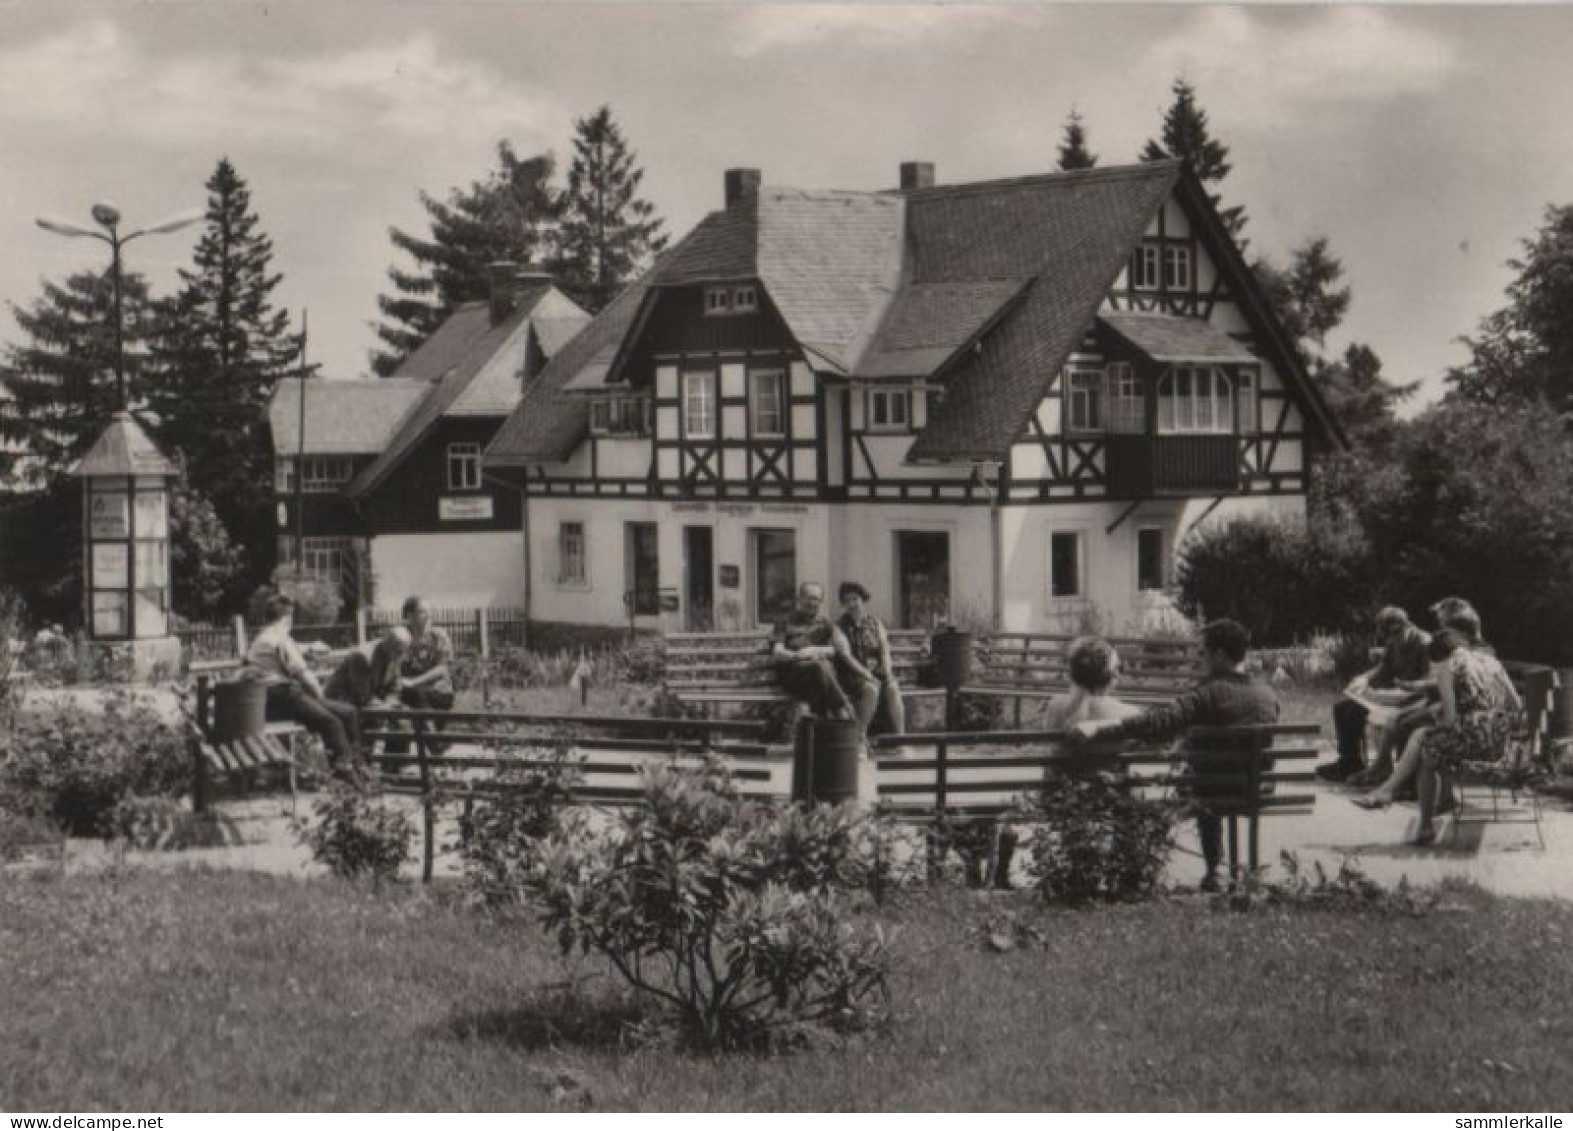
(954, 653)
(239, 709)
(825, 760)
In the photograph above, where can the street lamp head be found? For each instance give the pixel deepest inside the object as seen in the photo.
(66, 228)
(106, 214)
(174, 223)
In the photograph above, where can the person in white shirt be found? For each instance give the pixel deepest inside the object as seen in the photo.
(294, 694)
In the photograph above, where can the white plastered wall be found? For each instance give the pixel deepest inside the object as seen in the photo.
(454, 570)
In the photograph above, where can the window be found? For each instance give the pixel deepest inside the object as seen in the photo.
(1084, 400)
(620, 416)
(764, 402)
(887, 410)
(745, 300)
(1177, 267)
(699, 404)
(464, 467)
(718, 300)
(1065, 563)
(323, 473)
(775, 574)
(1193, 399)
(1145, 265)
(570, 554)
(1127, 403)
(1247, 401)
(642, 563)
(1151, 571)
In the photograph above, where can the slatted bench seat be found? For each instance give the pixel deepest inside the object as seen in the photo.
(980, 775)
(607, 752)
(275, 746)
(1033, 665)
(735, 667)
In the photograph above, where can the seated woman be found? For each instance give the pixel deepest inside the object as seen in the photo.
(1094, 666)
(370, 673)
(293, 692)
(1479, 707)
(867, 665)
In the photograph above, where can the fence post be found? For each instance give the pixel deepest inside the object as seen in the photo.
(427, 815)
(360, 625)
(240, 636)
(486, 655)
(200, 789)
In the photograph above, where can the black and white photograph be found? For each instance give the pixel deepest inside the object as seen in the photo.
(786, 557)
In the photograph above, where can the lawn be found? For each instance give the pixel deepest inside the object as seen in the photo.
(196, 990)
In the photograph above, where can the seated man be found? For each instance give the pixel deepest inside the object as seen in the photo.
(370, 673)
(293, 692)
(1225, 697)
(1403, 658)
(425, 681)
(805, 648)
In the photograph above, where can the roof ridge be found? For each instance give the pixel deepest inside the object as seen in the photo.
(1137, 171)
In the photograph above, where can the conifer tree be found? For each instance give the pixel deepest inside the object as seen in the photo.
(1186, 136)
(608, 233)
(59, 383)
(221, 347)
(509, 216)
(1074, 153)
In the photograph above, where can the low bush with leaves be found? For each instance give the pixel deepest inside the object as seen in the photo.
(1090, 839)
(732, 916)
(73, 765)
(1347, 890)
(503, 837)
(355, 834)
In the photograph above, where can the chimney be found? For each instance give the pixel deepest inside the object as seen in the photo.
(916, 175)
(502, 284)
(741, 184)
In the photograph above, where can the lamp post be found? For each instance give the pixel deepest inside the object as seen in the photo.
(107, 217)
(125, 484)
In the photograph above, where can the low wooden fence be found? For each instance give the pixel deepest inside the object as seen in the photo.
(473, 632)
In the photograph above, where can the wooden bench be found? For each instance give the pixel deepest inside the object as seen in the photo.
(981, 775)
(1033, 665)
(275, 746)
(606, 751)
(707, 668)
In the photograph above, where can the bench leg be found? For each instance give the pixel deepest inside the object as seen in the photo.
(1234, 849)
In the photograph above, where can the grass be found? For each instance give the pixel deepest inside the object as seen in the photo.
(198, 990)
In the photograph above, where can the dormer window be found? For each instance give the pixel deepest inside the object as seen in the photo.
(745, 300)
(1145, 267)
(620, 416)
(742, 298)
(1177, 267)
(888, 410)
(718, 300)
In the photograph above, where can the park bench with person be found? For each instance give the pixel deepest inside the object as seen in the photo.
(1033, 666)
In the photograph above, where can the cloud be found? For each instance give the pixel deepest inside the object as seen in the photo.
(769, 27)
(94, 78)
(1268, 61)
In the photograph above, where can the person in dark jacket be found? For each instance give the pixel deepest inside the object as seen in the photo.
(1225, 697)
(1403, 658)
(369, 674)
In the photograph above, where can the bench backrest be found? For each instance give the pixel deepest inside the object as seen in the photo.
(1535, 684)
(1155, 666)
(983, 773)
(699, 661)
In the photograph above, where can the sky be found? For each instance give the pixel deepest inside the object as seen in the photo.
(1424, 142)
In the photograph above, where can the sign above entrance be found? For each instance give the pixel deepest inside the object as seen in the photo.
(464, 508)
(692, 508)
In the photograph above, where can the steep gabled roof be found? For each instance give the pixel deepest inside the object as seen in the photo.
(549, 423)
(470, 367)
(342, 417)
(1063, 238)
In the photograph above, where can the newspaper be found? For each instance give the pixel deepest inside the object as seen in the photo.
(1382, 705)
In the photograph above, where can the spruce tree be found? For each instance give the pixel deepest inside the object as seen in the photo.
(510, 216)
(220, 350)
(1186, 136)
(59, 383)
(608, 233)
(1074, 153)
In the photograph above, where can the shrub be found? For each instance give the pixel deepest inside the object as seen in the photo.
(164, 823)
(642, 662)
(727, 914)
(74, 765)
(503, 838)
(355, 834)
(1283, 581)
(1090, 839)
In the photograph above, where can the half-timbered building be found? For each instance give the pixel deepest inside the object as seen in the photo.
(392, 500)
(1005, 402)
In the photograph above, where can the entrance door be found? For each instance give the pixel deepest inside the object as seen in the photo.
(922, 578)
(699, 578)
(775, 574)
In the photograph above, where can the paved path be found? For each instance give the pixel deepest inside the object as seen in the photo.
(1503, 858)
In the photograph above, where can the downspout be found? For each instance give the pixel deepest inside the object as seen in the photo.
(997, 544)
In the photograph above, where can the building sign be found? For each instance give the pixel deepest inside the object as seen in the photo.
(735, 508)
(696, 508)
(108, 516)
(731, 577)
(464, 508)
(783, 508)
